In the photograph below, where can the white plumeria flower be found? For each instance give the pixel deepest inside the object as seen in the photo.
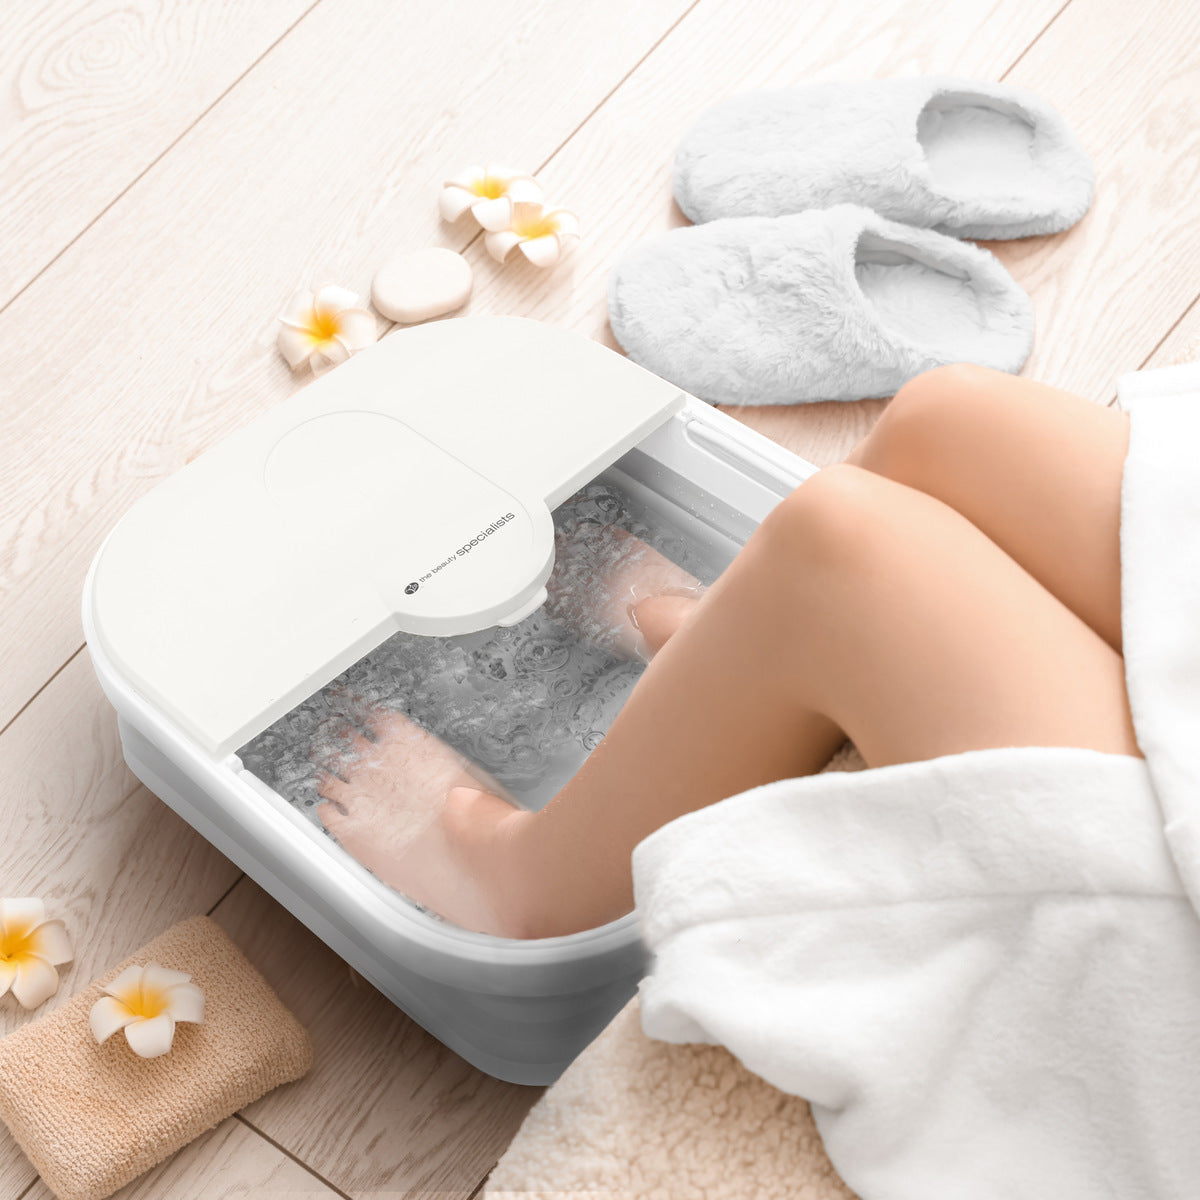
(146, 1002)
(323, 330)
(538, 231)
(488, 192)
(30, 948)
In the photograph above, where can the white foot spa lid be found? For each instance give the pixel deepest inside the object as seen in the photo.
(408, 490)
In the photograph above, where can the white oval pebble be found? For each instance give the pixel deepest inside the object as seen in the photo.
(418, 284)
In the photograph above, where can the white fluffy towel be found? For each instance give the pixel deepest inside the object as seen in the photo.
(983, 971)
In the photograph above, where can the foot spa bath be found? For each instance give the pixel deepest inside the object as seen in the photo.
(410, 540)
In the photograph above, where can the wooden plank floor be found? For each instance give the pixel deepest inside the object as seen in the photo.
(171, 170)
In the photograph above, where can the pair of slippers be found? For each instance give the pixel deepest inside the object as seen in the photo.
(825, 264)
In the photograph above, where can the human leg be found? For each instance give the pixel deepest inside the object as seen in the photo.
(382, 806)
(383, 793)
(860, 605)
(1037, 469)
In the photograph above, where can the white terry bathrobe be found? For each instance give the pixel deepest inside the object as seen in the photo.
(983, 971)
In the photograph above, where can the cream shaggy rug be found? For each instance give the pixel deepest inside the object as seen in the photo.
(633, 1117)
(637, 1118)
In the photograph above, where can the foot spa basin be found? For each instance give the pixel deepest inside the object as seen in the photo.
(388, 543)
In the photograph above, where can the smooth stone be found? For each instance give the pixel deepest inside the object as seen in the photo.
(419, 284)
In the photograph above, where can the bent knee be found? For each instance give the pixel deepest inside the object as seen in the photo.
(956, 384)
(831, 515)
(944, 402)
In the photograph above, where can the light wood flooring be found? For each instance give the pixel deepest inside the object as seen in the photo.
(172, 170)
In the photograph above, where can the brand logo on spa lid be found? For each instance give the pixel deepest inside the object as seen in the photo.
(412, 587)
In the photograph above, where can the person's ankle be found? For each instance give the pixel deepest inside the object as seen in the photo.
(495, 849)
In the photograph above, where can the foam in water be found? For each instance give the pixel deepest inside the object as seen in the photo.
(527, 703)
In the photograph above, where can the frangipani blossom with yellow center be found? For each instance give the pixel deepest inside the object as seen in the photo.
(30, 948)
(147, 1002)
(323, 330)
(538, 231)
(489, 193)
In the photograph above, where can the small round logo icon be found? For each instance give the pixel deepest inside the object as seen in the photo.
(412, 587)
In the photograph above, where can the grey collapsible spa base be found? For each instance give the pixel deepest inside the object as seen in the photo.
(196, 663)
(524, 1036)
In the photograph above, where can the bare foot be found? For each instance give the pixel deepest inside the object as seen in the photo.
(385, 809)
(510, 855)
(490, 839)
(620, 571)
(431, 825)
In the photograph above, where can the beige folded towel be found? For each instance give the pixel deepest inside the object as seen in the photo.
(91, 1118)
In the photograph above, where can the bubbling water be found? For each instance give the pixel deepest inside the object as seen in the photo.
(526, 703)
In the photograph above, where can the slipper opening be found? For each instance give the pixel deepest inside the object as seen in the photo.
(1004, 158)
(979, 146)
(936, 307)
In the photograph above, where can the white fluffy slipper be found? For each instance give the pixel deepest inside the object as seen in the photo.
(832, 304)
(968, 158)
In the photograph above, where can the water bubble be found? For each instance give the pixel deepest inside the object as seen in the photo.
(541, 654)
(557, 731)
(492, 748)
(587, 706)
(526, 757)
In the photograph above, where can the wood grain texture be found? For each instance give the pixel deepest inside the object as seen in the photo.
(616, 171)
(84, 835)
(16, 1173)
(230, 1161)
(321, 161)
(1182, 343)
(81, 833)
(386, 1109)
(92, 91)
(1127, 78)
